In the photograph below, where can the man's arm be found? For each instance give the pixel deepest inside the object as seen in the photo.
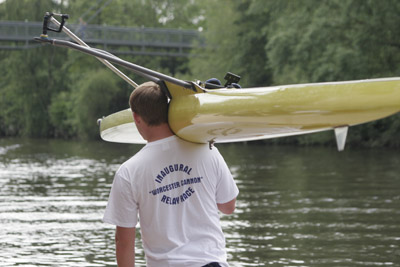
(228, 207)
(125, 246)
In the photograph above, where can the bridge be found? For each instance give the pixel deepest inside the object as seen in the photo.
(116, 40)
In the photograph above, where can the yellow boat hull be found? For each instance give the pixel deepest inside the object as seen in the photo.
(231, 115)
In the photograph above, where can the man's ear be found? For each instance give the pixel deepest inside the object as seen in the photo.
(136, 118)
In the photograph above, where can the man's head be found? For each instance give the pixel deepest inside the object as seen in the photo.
(150, 103)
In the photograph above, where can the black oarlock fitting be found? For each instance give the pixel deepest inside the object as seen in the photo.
(46, 20)
(231, 78)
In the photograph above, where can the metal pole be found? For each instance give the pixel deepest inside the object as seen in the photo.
(105, 62)
(142, 71)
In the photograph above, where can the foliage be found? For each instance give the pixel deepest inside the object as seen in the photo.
(271, 42)
(234, 44)
(96, 94)
(53, 92)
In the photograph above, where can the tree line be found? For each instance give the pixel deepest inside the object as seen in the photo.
(53, 92)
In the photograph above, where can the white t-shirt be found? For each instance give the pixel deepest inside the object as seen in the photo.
(174, 186)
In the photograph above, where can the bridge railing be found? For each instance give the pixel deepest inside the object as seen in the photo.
(139, 40)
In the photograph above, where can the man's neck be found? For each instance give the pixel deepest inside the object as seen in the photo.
(158, 132)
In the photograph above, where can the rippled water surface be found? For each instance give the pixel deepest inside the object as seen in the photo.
(297, 206)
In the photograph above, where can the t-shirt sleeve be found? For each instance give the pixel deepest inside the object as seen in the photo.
(122, 208)
(226, 186)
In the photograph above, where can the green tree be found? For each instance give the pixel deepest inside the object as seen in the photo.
(31, 10)
(29, 78)
(315, 41)
(43, 89)
(290, 42)
(30, 82)
(96, 94)
(136, 13)
(233, 43)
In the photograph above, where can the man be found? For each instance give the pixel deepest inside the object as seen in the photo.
(176, 188)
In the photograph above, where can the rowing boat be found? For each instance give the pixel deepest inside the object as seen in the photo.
(232, 115)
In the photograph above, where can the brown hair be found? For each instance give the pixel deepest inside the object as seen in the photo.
(150, 103)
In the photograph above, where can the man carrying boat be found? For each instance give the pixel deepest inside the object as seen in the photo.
(179, 220)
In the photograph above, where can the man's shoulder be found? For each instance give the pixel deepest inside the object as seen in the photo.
(132, 162)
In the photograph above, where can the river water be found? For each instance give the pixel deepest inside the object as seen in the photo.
(297, 206)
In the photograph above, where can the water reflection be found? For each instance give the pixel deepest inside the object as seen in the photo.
(297, 206)
(52, 197)
(316, 207)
